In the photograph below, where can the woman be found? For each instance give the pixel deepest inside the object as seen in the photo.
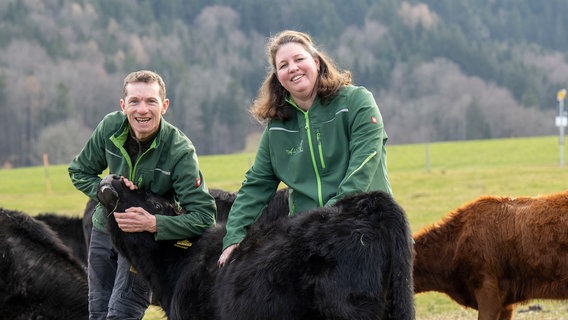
(324, 137)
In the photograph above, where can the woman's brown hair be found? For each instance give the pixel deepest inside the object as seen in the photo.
(270, 102)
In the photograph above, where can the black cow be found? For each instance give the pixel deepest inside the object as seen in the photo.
(69, 230)
(39, 276)
(349, 261)
(276, 208)
(223, 201)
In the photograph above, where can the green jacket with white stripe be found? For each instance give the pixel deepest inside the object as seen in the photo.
(330, 151)
(168, 168)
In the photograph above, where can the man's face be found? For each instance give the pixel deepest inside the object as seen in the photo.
(144, 108)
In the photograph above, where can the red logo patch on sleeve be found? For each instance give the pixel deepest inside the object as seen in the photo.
(197, 182)
(373, 119)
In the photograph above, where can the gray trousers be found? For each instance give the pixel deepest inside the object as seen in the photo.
(115, 292)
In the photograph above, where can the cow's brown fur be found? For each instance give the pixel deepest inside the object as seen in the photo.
(495, 252)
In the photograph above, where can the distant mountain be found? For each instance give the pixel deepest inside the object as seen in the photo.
(440, 69)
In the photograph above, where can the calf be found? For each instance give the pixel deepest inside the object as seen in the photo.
(39, 276)
(349, 261)
(495, 252)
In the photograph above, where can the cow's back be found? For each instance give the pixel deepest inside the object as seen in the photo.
(519, 240)
(39, 275)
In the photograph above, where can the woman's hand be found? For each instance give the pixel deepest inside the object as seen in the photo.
(226, 254)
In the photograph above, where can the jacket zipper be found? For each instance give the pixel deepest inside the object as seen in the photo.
(140, 178)
(318, 179)
(310, 143)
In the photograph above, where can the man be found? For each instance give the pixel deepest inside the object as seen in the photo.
(151, 154)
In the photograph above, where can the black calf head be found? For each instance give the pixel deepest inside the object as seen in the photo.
(114, 195)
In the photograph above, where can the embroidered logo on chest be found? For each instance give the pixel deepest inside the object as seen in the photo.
(296, 150)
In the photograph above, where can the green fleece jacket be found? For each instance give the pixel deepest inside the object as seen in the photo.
(169, 168)
(324, 154)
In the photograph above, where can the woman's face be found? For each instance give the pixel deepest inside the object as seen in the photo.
(297, 71)
(144, 107)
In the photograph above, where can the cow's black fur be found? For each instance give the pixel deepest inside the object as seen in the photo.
(276, 208)
(223, 201)
(39, 276)
(69, 230)
(349, 261)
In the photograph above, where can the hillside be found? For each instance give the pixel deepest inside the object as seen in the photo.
(440, 69)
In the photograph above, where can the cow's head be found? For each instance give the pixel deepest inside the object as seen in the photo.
(115, 196)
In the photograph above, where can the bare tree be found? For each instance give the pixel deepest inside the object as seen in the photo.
(62, 141)
(430, 103)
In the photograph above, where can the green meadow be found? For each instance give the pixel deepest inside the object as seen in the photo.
(428, 181)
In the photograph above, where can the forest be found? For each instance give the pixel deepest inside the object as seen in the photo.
(440, 70)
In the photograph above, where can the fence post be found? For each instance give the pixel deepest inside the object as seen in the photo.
(46, 172)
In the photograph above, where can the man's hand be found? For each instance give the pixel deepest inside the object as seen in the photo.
(129, 184)
(136, 219)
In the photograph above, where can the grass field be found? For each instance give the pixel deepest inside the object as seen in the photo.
(427, 180)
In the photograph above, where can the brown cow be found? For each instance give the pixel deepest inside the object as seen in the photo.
(495, 252)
